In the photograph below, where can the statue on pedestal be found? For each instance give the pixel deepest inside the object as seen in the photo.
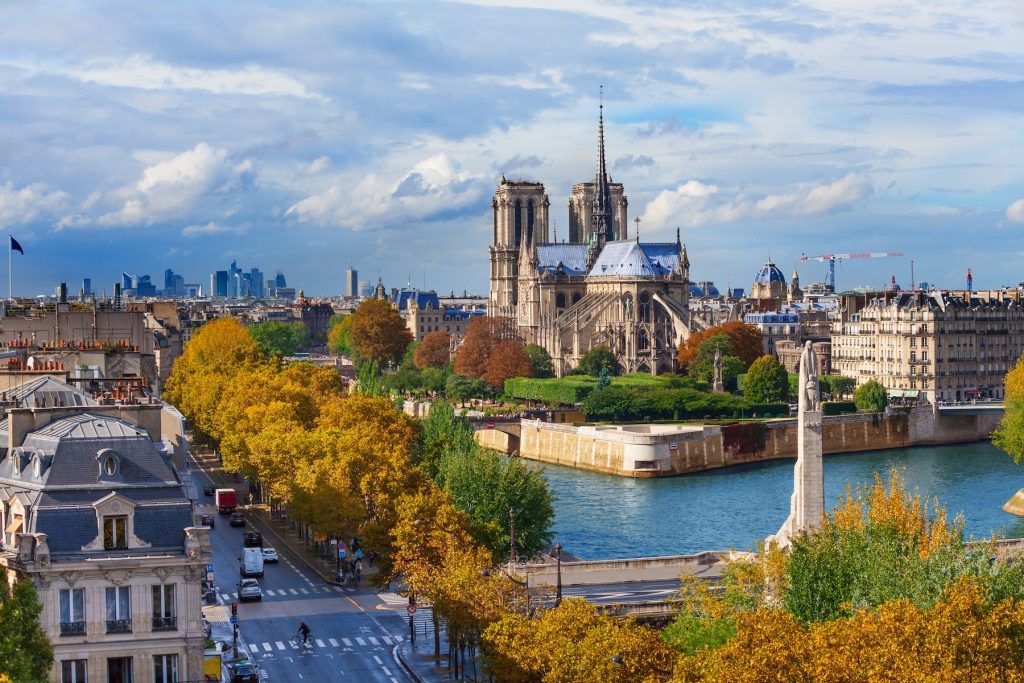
(807, 504)
(718, 386)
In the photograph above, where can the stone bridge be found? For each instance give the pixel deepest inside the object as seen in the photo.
(980, 408)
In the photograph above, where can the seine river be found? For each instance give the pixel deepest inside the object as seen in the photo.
(601, 516)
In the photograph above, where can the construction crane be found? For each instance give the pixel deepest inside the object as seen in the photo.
(832, 258)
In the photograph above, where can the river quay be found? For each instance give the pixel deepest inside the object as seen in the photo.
(602, 517)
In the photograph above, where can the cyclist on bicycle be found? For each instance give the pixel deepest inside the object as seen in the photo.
(304, 632)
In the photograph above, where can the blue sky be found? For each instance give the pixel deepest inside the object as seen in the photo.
(308, 136)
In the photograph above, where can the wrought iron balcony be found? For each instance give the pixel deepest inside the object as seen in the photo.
(165, 623)
(119, 625)
(72, 628)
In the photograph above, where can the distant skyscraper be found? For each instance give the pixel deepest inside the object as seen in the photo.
(351, 282)
(365, 289)
(87, 286)
(279, 279)
(220, 283)
(256, 282)
(270, 289)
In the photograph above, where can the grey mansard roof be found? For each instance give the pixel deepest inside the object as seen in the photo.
(47, 392)
(57, 472)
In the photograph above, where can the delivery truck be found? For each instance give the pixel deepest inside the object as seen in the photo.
(251, 562)
(226, 500)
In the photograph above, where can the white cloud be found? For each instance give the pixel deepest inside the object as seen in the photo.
(1015, 211)
(20, 206)
(212, 228)
(317, 166)
(694, 203)
(432, 186)
(172, 188)
(140, 71)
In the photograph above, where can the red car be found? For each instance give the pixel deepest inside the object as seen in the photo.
(207, 520)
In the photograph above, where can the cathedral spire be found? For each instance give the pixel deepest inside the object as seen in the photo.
(603, 221)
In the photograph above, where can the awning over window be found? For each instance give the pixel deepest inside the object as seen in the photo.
(15, 526)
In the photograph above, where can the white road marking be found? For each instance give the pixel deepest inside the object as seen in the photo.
(339, 589)
(293, 591)
(373, 641)
(386, 640)
(333, 642)
(225, 596)
(387, 672)
(234, 595)
(254, 647)
(314, 589)
(280, 645)
(320, 643)
(269, 592)
(304, 591)
(266, 647)
(348, 643)
(295, 646)
(398, 638)
(360, 641)
(377, 659)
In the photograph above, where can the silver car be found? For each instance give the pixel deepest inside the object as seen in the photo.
(249, 589)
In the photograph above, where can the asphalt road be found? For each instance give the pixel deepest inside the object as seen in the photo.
(352, 639)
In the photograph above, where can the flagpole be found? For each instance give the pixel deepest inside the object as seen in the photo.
(10, 269)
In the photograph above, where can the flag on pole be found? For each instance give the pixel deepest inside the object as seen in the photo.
(15, 246)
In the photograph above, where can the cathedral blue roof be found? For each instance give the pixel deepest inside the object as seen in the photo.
(768, 274)
(699, 289)
(421, 299)
(571, 257)
(629, 258)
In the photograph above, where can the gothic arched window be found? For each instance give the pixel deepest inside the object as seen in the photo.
(575, 297)
(529, 222)
(519, 222)
(560, 301)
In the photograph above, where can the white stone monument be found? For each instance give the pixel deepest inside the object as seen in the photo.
(718, 385)
(807, 504)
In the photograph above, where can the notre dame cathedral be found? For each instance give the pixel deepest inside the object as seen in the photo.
(599, 288)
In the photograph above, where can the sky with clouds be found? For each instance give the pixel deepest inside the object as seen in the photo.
(310, 136)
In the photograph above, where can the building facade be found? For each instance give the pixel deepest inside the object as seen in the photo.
(950, 346)
(94, 513)
(598, 289)
(424, 313)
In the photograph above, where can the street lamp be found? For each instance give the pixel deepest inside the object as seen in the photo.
(558, 564)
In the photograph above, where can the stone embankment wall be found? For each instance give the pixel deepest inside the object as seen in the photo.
(666, 450)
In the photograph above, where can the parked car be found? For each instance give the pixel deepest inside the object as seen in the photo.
(252, 539)
(249, 589)
(269, 555)
(208, 490)
(207, 520)
(244, 672)
(236, 519)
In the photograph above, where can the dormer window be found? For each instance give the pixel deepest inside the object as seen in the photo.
(115, 532)
(110, 464)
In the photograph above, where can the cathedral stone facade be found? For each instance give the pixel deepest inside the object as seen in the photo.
(599, 288)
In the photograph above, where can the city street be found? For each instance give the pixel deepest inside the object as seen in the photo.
(352, 640)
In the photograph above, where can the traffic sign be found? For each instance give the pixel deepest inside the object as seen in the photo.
(234, 619)
(411, 609)
(209, 567)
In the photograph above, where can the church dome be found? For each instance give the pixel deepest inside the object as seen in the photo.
(769, 274)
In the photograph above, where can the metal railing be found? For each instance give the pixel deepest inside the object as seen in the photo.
(165, 623)
(119, 625)
(72, 628)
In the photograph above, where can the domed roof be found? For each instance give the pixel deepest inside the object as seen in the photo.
(768, 274)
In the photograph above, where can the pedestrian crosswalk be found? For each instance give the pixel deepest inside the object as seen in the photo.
(343, 643)
(290, 592)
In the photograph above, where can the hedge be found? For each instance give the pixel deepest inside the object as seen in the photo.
(768, 409)
(838, 407)
(564, 391)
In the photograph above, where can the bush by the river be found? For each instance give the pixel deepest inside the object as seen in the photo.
(635, 403)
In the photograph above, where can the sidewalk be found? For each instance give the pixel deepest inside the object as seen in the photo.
(418, 658)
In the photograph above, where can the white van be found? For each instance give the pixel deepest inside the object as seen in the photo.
(251, 562)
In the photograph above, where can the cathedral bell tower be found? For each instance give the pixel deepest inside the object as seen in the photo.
(603, 222)
(520, 221)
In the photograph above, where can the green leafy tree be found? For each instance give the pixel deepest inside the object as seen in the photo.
(597, 358)
(463, 387)
(280, 339)
(442, 431)
(486, 485)
(603, 380)
(703, 366)
(1010, 434)
(871, 396)
(766, 381)
(732, 368)
(339, 338)
(838, 385)
(25, 652)
(433, 379)
(540, 360)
